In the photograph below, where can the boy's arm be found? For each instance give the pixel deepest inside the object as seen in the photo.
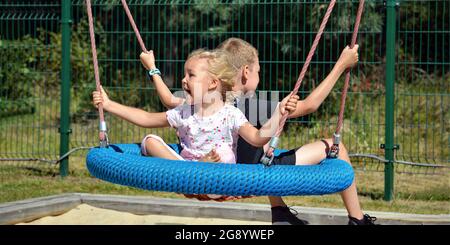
(165, 95)
(348, 58)
(134, 115)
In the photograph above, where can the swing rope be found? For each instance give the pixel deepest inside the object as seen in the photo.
(268, 156)
(144, 49)
(334, 149)
(274, 140)
(103, 136)
(133, 24)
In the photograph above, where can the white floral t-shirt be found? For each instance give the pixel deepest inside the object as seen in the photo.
(199, 135)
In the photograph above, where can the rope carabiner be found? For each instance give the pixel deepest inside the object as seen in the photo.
(268, 157)
(103, 135)
(334, 149)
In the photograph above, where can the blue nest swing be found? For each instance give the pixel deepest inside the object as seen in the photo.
(123, 164)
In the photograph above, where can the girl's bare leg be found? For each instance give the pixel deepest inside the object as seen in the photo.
(156, 148)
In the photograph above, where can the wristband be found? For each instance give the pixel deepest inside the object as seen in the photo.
(152, 72)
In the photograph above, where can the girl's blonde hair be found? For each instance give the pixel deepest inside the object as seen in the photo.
(219, 67)
(241, 52)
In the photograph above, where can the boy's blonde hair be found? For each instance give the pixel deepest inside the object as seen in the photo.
(241, 52)
(219, 67)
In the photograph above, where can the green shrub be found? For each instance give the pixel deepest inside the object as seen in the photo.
(17, 76)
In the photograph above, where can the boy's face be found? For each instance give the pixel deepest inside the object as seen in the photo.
(252, 77)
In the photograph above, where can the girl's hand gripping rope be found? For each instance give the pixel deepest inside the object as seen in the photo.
(97, 98)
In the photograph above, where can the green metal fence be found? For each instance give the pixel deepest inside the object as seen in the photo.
(399, 93)
(29, 75)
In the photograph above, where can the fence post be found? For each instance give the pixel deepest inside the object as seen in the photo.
(64, 128)
(389, 148)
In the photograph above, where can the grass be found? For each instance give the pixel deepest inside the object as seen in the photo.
(421, 194)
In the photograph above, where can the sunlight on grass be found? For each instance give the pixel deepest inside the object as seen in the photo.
(421, 194)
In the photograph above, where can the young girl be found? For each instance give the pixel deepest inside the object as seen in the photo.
(245, 57)
(206, 125)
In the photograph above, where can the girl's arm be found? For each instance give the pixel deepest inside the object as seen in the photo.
(165, 95)
(134, 115)
(348, 58)
(259, 138)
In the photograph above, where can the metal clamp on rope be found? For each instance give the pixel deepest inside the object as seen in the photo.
(105, 142)
(334, 149)
(265, 159)
(274, 142)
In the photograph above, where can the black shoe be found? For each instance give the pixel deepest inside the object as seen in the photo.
(366, 220)
(283, 216)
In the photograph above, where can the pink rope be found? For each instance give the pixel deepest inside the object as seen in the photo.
(136, 30)
(102, 135)
(347, 72)
(308, 60)
(305, 67)
(297, 84)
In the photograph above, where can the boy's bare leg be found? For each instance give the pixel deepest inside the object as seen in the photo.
(350, 195)
(314, 153)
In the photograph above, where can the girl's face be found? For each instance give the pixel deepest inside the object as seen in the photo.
(197, 82)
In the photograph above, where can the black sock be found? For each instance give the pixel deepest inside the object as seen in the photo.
(280, 208)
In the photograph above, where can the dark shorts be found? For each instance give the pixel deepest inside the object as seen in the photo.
(285, 158)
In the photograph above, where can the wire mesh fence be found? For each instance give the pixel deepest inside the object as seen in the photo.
(281, 31)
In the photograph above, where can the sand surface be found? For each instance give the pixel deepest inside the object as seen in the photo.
(88, 215)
